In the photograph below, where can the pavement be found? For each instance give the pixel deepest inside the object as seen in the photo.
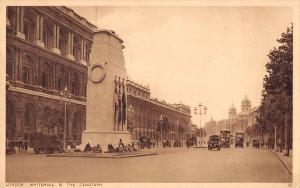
(102, 155)
(171, 165)
(287, 161)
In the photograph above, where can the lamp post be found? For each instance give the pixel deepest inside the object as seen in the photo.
(65, 97)
(198, 111)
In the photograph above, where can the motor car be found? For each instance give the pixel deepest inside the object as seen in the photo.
(214, 142)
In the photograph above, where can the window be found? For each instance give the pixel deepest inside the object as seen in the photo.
(9, 64)
(63, 40)
(26, 75)
(29, 24)
(61, 75)
(44, 80)
(27, 69)
(46, 76)
(47, 32)
(76, 48)
(75, 84)
(30, 122)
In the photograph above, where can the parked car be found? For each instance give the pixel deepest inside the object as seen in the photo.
(214, 142)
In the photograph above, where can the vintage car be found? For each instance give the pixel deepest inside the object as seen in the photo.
(214, 142)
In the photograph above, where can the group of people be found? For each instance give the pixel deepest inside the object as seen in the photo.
(96, 149)
(270, 143)
(17, 146)
(121, 147)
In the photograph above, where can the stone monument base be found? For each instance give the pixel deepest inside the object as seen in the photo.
(105, 138)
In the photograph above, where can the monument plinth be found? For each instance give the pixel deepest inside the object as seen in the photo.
(106, 92)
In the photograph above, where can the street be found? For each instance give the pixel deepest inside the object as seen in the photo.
(171, 165)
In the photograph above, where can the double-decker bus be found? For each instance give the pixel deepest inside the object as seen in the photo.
(225, 138)
(239, 139)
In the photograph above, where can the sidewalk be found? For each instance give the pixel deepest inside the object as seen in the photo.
(161, 150)
(287, 161)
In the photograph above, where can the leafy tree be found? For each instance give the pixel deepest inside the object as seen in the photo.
(276, 105)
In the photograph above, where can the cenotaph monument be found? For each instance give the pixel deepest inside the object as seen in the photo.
(106, 92)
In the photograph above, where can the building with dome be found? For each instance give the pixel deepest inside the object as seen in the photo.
(245, 118)
(235, 121)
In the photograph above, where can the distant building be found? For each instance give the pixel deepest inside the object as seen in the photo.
(244, 119)
(192, 131)
(236, 121)
(145, 114)
(211, 127)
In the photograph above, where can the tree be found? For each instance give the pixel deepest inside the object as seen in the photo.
(276, 105)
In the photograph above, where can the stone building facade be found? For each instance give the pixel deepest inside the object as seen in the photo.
(47, 54)
(246, 117)
(235, 121)
(146, 115)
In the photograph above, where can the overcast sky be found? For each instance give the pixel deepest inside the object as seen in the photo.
(212, 55)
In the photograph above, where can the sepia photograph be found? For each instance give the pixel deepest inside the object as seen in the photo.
(139, 93)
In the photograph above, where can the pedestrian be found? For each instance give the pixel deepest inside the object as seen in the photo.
(19, 145)
(25, 146)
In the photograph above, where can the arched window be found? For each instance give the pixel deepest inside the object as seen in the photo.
(30, 120)
(10, 64)
(10, 119)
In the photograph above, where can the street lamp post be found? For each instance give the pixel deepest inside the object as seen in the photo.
(65, 97)
(200, 113)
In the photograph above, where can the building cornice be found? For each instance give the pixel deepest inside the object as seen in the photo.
(45, 95)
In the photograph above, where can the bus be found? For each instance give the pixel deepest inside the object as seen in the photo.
(239, 139)
(225, 138)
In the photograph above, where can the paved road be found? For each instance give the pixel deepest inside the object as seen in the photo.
(171, 165)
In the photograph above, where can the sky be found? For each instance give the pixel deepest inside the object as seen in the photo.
(209, 55)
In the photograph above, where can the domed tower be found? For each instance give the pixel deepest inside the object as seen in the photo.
(246, 104)
(232, 112)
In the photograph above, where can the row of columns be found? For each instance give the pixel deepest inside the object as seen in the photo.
(38, 38)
